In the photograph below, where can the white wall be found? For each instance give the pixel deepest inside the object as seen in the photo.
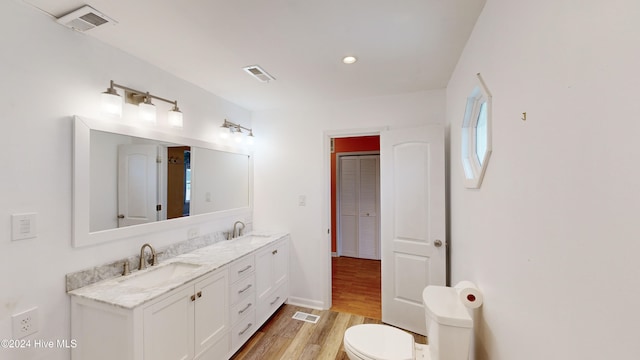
(291, 161)
(551, 238)
(48, 74)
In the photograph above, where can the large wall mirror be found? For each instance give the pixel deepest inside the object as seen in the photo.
(131, 181)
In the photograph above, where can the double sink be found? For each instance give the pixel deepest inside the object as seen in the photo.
(164, 274)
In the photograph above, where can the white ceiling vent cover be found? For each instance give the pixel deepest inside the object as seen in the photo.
(84, 19)
(258, 73)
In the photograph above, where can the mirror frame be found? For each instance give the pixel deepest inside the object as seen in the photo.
(81, 235)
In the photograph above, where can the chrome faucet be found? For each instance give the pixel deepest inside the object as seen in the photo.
(143, 262)
(237, 232)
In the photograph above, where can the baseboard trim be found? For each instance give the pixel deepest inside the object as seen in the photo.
(308, 303)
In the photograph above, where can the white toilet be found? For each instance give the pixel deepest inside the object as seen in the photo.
(449, 328)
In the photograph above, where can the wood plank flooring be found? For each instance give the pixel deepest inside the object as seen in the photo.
(356, 300)
(284, 338)
(356, 286)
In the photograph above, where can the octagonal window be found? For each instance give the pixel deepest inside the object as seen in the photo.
(476, 135)
(481, 133)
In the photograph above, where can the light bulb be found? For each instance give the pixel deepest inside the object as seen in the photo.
(237, 137)
(111, 102)
(175, 117)
(147, 111)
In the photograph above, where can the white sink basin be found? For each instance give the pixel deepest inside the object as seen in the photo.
(156, 276)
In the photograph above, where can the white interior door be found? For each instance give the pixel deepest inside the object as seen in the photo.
(359, 205)
(413, 222)
(137, 184)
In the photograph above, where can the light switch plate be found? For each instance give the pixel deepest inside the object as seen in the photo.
(24, 226)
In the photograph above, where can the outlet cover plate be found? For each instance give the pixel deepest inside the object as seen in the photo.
(25, 323)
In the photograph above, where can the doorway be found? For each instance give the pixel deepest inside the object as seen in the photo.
(356, 281)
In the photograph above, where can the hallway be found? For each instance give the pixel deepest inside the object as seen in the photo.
(355, 286)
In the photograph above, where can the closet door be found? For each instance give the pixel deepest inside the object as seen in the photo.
(359, 205)
(368, 225)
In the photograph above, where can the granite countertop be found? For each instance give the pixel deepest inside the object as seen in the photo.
(117, 292)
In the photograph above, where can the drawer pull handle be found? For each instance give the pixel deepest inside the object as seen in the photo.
(275, 301)
(274, 252)
(199, 294)
(245, 309)
(245, 269)
(245, 289)
(245, 329)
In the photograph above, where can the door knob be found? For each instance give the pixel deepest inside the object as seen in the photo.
(437, 243)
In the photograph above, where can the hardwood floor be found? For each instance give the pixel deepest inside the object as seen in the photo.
(356, 300)
(356, 286)
(288, 339)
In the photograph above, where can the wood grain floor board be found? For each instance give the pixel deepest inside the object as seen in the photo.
(284, 338)
(356, 300)
(356, 286)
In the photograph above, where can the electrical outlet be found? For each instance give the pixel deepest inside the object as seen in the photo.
(25, 323)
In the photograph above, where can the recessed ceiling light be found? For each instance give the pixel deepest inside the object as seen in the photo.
(349, 59)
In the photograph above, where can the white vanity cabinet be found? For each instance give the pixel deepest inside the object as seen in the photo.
(190, 322)
(236, 287)
(272, 278)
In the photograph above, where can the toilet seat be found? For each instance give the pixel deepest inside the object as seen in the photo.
(379, 342)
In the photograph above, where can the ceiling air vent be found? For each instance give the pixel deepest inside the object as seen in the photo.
(84, 19)
(258, 73)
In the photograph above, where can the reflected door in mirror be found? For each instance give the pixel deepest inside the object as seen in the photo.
(178, 181)
(137, 184)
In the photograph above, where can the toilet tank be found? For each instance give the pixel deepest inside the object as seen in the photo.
(449, 325)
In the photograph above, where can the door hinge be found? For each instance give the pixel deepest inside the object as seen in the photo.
(159, 207)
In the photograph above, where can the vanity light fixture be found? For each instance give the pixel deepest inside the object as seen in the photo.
(112, 104)
(236, 132)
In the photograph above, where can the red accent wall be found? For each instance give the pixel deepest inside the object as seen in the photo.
(342, 145)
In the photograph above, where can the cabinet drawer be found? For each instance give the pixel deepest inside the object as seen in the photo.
(241, 268)
(242, 289)
(270, 303)
(243, 308)
(243, 330)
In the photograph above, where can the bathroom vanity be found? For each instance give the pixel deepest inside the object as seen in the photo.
(200, 305)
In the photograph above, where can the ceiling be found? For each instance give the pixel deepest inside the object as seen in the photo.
(402, 46)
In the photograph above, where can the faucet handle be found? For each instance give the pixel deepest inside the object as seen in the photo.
(154, 259)
(125, 270)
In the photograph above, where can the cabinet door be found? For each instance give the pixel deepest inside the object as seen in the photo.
(211, 312)
(264, 273)
(168, 327)
(280, 263)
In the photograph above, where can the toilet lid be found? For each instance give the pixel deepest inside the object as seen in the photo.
(380, 342)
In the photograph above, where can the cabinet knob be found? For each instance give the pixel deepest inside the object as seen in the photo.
(199, 294)
(274, 252)
(193, 298)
